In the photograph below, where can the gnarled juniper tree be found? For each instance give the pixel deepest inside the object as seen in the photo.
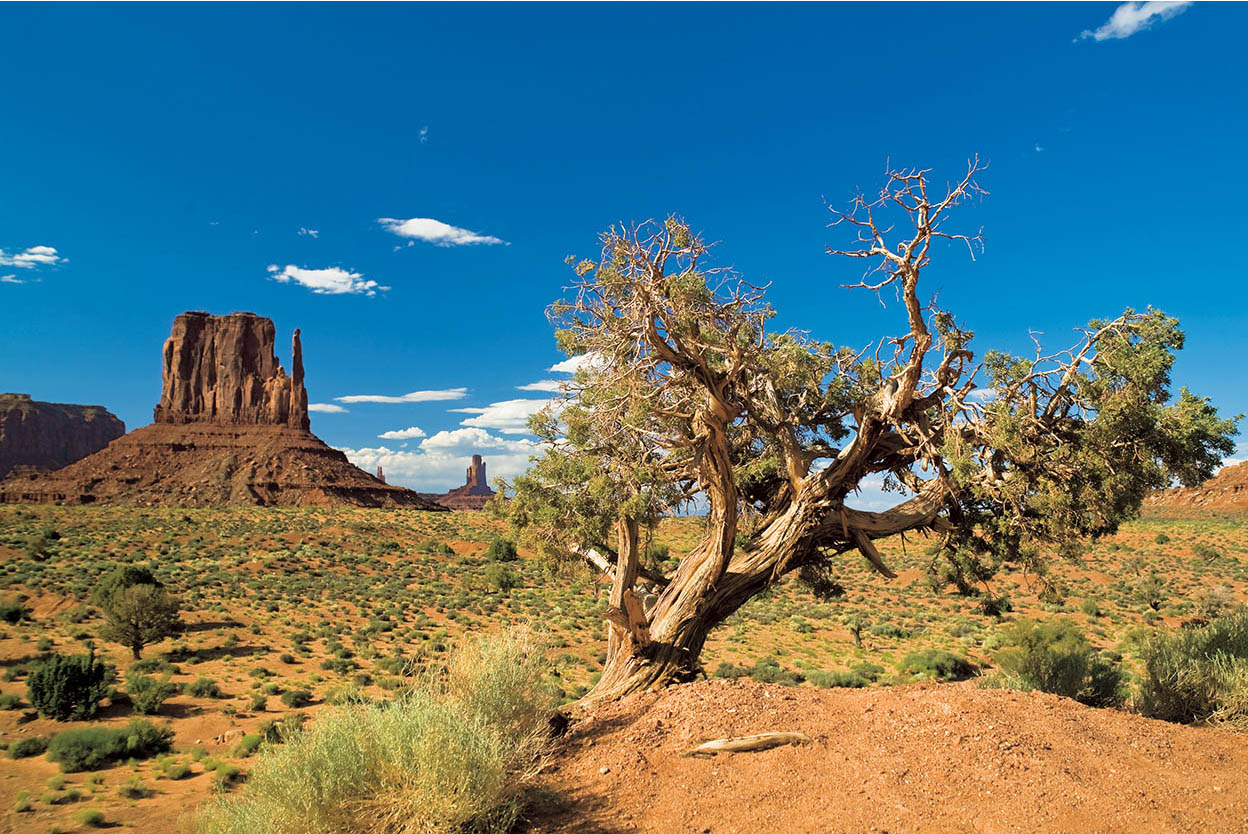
(687, 392)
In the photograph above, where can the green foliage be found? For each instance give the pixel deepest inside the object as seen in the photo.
(68, 687)
(91, 748)
(1053, 656)
(203, 687)
(502, 550)
(90, 817)
(450, 757)
(769, 670)
(10, 700)
(501, 576)
(1198, 674)
(148, 693)
(825, 679)
(13, 611)
(138, 611)
(935, 664)
(28, 746)
(295, 698)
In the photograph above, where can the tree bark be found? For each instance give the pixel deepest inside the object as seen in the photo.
(688, 611)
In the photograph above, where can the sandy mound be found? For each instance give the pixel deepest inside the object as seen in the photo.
(921, 758)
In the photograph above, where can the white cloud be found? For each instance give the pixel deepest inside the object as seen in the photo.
(574, 363)
(1039, 148)
(872, 497)
(548, 385)
(32, 257)
(438, 463)
(982, 395)
(410, 397)
(424, 134)
(508, 416)
(403, 434)
(435, 231)
(1130, 18)
(331, 281)
(11, 279)
(304, 231)
(326, 408)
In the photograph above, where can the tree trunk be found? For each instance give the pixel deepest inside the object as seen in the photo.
(688, 610)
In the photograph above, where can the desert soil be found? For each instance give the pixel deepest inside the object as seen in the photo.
(920, 758)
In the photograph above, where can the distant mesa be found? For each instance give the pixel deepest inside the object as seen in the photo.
(473, 495)
(231, 428)
(1226, 491)
(39, 437)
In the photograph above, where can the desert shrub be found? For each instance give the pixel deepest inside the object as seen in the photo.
(1205, 552)
(1198, 674)
(13, 611)
(24, 748)
(731, 671)
(90, 817)
(68, 687)
(10, 700)
(247, 745)
(451, 756)
(501, 577)
(1053, 656)
(152, 665)
(295, 698)
(935, 664)
(1212, 603)
(826, 679)
(147, 693)
(769, 670)
(1162, 538)
(134, 788)
(502, 550)
(91, 748)
(203, 687)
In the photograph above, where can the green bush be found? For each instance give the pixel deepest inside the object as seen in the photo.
(147, 693)
(91, 748)
(68, 687)
(24, 748)
(203, 687)
(296, 698)
(1053, 656)
(1198, 674)
(936, 664)
(453, 755)
(769, 670)
(91, 817)
(731, 671)
(12, 611)
(825, 679)
(501, 577)
(502, 550)
(10, 700)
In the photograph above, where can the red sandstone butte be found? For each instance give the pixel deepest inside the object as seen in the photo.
(39, 437)
(473, 495)
(231, 428)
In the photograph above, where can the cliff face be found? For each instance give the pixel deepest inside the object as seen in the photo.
(1227, 491)
(38, 436)
(230, 428)
(223, 370)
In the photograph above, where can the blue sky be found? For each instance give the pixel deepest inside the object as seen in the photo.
(238, 157)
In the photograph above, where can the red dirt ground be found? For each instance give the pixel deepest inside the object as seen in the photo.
(924, 758)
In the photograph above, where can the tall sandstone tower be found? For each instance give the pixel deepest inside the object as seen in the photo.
(231, 427)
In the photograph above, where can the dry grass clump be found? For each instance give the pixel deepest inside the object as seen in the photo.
(452, 755)
(1199, 674)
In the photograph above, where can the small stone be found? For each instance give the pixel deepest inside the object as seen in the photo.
(604, 770)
